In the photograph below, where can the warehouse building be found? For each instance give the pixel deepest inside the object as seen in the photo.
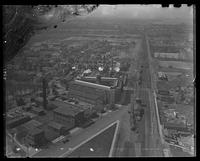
(32, 124)
(35, 137)
(68, 115)
(37, 111)
(28, 127)
(57, 128)
(167, 99)
(12, 123)
(164, 92)
(177, 127)
(98, 91)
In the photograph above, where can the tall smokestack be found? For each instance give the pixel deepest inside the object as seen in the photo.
(44, 86)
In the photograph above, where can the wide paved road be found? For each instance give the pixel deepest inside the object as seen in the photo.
(148, 126)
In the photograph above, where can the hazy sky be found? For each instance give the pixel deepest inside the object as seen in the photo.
(143, 11)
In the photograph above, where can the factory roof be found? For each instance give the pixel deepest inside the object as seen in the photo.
(112, 81)
(67, 108)
(179, 127)
(35, 131)
(17, 119)
(93, 85)
(55, 125)
(32, 124)
(37, 109)
(93, 96)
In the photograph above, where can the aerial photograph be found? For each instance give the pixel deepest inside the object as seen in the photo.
(110, 81)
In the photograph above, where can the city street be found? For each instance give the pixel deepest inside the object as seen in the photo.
(148, 129)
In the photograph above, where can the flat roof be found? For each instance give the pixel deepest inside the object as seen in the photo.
(176, 126)
(103, 79)
(93, 85)
(37, 109)
(32, 123)
(35, 131)
(66, 108)
(55, 125)
(91, 96)
(17, 118)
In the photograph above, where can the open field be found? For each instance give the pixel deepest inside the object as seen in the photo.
(60, 34)
(175, 64)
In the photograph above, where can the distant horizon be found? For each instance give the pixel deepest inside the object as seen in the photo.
(143, 12)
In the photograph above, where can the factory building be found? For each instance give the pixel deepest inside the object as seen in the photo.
(54, 130)
(35, 137)
(37, 111)
(32, 124)
(12, 123)
(56, 127)
(177, 127)
(98, 91)
(68, 115)
(35, 134)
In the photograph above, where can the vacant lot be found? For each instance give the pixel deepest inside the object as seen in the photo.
(176, 64)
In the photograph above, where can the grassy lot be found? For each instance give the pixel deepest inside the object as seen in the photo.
(100, 145)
